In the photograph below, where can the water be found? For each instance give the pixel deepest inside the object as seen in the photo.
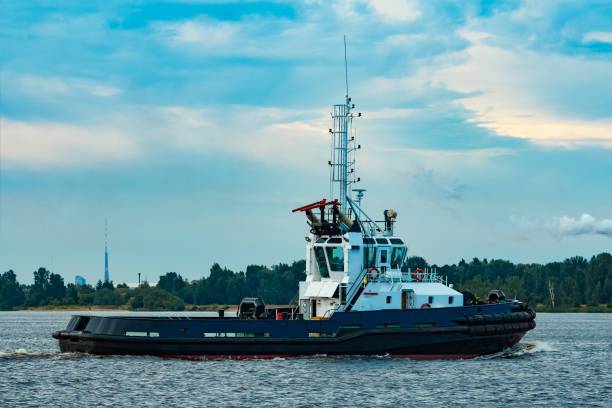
(565, 361)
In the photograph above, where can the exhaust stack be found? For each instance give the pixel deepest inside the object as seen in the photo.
(314, 220)
(341, 217)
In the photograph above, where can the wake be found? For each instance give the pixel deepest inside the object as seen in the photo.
(24, 354)
(521, 349)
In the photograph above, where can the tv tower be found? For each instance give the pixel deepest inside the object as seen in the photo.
(105, 250)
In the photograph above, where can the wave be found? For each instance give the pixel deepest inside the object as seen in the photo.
(23, 353)
(518, 350)
(523, 349)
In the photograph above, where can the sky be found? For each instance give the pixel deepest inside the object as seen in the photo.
(195, 127)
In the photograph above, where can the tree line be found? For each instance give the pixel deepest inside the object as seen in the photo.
(572, 283)
(276, 285)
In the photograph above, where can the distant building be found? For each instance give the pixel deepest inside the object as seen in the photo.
(135, 285)
(79, 280)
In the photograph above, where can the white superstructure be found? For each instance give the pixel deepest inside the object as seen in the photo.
(353, 271)
(352, 263)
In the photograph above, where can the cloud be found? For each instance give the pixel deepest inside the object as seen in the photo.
(585, 225)
(527, 95)
(41, 145)
(41, 86)
(598, 36)
(563, 226)
(254, 37)
(207, 34)
(430, 183)
(396, 10)
(273, 136)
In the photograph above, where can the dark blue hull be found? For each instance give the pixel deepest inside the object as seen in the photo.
(453, 332)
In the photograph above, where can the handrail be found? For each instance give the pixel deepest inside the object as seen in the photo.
(430, 275)
(354, 288)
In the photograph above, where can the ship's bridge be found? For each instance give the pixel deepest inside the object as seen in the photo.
(356, 272)
(334, 265)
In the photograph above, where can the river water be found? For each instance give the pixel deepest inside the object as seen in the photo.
(566, 361)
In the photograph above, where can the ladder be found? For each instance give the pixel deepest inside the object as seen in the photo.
(355, 291)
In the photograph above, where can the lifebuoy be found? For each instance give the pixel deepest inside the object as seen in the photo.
(425, 306)
(371, 273)
(418, 274)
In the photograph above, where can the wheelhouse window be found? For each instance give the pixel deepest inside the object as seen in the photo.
(388, 299)
(383, 256)
(430, 300)
(396, 256)
(369, 257)
(335, 255)
(320, 255)
(450, 300)
(396, 241)
(382, 241)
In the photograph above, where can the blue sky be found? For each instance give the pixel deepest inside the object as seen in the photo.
(195, 127)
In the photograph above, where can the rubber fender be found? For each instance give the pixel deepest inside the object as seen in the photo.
(478, 319)
(516, 317)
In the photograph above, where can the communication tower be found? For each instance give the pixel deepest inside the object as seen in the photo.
(106, 250)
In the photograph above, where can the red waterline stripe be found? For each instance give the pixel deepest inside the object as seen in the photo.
(225, 357)
(435, 356)
(220, 357)
(370, 293)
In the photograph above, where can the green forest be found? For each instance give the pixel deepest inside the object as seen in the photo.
(576, 284)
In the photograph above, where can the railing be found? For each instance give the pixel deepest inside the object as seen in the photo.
(428, 275)
(377, 228)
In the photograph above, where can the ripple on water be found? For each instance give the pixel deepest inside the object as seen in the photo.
(548, 368)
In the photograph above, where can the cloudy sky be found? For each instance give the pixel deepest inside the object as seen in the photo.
(195, 127)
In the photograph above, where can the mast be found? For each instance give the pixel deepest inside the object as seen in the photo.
(342, 163)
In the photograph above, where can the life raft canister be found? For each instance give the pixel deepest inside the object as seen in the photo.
(373, 273)
(425, 306)
(418, 274)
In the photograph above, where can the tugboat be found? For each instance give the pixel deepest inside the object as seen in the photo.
(359, 297)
